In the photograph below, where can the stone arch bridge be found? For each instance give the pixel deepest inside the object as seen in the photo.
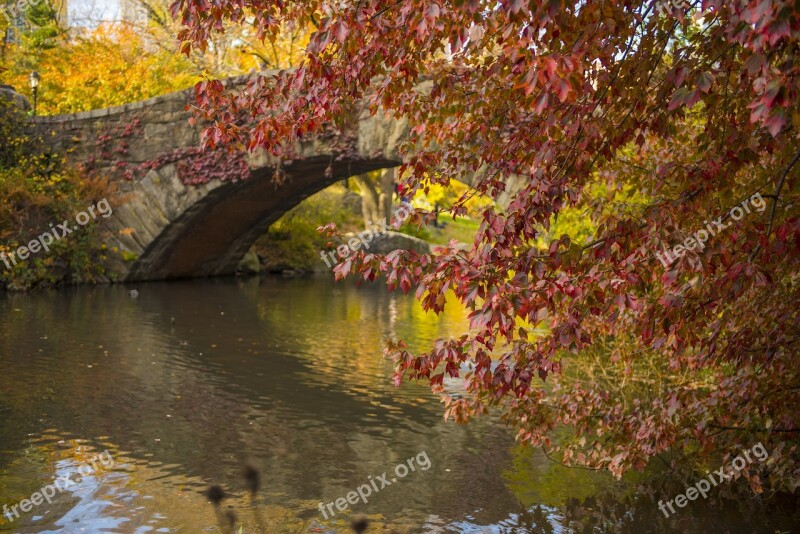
(186, 212)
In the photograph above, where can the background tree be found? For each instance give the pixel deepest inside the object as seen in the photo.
(29, 26)
(106, 67)
(112, 62)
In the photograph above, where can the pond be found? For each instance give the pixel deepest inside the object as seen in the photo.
(138, 403)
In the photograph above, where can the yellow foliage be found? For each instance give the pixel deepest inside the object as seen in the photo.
(111, 66)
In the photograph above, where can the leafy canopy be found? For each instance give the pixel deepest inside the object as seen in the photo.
(651, 118)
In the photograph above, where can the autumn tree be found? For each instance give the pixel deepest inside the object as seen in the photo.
(108, 66)
(29, 26)
(656, 120)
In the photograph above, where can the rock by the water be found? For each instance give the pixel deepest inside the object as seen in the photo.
(250, 264)
(389, 241)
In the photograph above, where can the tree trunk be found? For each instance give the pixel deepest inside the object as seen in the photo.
(387, 190)
(369, 199)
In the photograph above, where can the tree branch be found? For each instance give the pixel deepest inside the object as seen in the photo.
(778, 192)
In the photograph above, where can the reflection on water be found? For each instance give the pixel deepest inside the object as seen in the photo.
(189, 382)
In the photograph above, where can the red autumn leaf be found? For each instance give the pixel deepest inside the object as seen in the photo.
(775, 122)
(340, 31)
(704, 81)
(541, 102)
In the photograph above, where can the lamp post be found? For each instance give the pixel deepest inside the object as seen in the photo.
(35, 86)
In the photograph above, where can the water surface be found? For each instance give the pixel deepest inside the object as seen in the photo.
(190, 381)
